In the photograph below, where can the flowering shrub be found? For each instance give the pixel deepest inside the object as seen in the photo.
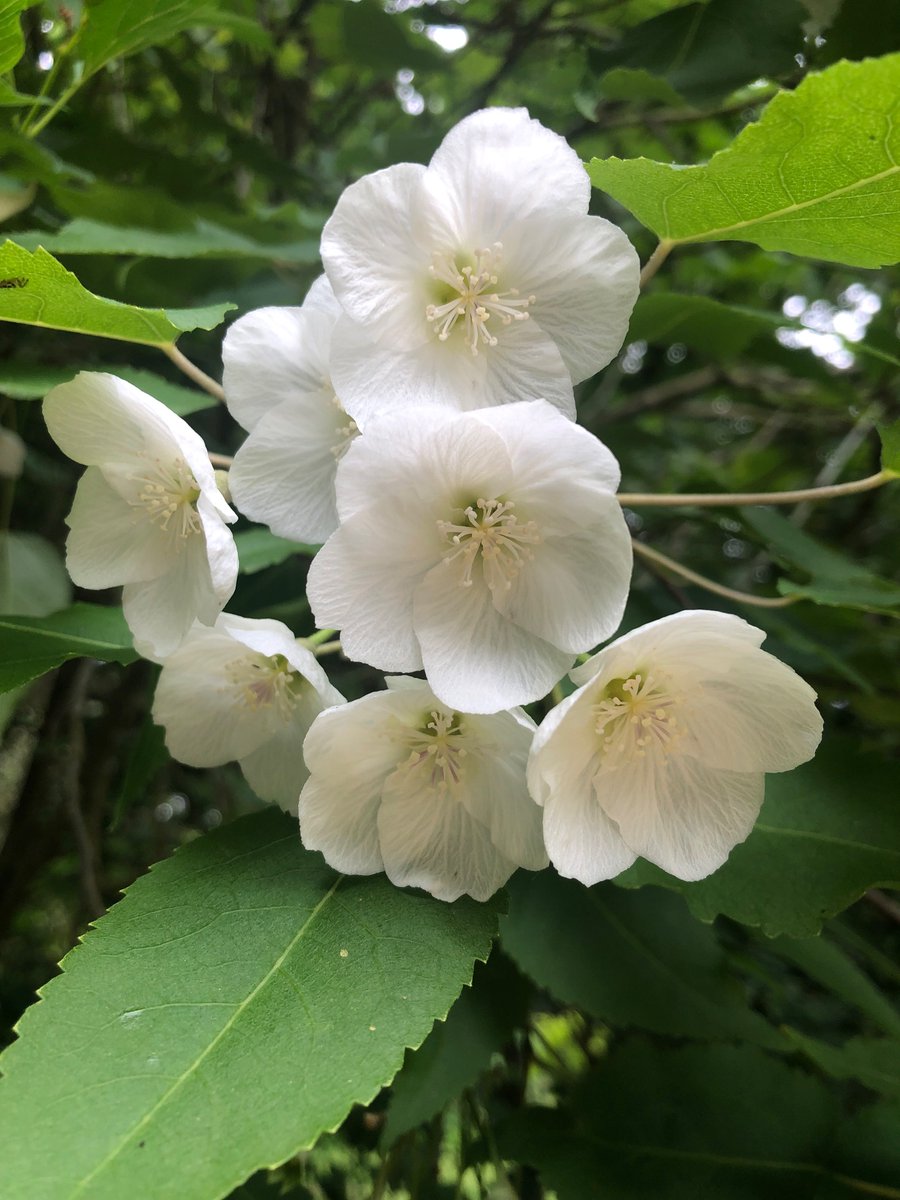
(401, 582)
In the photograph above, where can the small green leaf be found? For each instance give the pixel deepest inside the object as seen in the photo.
(203, 240)
(22, 381)
(890, 447)
(259, 548)
(37, 290)
(12, 43)
(630, 959)
(828, 831)
(457, 1050)
(873, 1061)
(816, 175)
(236, 1003)
(31, 646)
(835, 580)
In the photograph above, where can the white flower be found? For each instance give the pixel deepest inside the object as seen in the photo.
(436, 798)
(487, 547)
(663, 750)
(479, 279)
(147, 512)
(278, 386)
(244, 690)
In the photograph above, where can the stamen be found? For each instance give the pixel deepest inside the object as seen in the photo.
(636, 716)
(346, 430)
(264, 682)
(474, 305)
(495, 532)
(438, 750)
(168, 495)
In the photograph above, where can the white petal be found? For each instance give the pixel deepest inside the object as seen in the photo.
(321, 298)
(495, 793)
(378, 272)
(573, 592)
(276, 770)
(428, 840)
(349, 753)
(475, 659)
(558, 466)
(753, 713)
(680, 814)
(283, 475)
(362, 582)
(273, 355)
(478, 175)
(583, 843)
(160, 611)
(526, 365)
(584, 276)
(221, 562)
(109, 542)
(689, 636)
(430, 461)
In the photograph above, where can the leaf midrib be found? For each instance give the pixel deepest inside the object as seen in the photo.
(189, 1071)
(62, 636)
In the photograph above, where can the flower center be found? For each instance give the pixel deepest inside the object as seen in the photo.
(437, 750)
(168, 495)
(469, 296)
(496, 534)
(346, 429)
(266, 683)
(636, 716)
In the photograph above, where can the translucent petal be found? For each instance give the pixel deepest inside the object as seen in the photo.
(680, 814)
(160, 611)
(276, 770)
(109, 542)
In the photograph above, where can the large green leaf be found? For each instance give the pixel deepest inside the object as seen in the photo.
(707, 50)
(235, 1004)
(203, 240)
(834, 580)
(816, 175)
(873, 1061)
(22, 381)
(630, 959)
(259, 548)
(35, 289)
(705, 1123)
(457, 1050)
(827, 833)
(717, 330)
(31, 646)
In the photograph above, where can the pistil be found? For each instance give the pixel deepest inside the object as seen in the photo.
(476, 300)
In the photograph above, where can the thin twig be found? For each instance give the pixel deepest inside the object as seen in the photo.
(719, 589)
(884, 903)
(183, 363)
(814, 494)
(220, 460)
(655, 261)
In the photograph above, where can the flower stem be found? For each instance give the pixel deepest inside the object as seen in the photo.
(813, 494)
(655, 261)
(719, 589)
(220, 460)
(327, 648)
(192, 371)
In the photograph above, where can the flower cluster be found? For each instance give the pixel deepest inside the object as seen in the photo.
(417, 415)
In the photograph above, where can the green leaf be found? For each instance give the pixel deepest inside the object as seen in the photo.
(719, 331)
(633, 84)
(375, 39)
(703, 1123)
(457, 1050)
(630, 959)
(37, 290)
(33, 577)
(203, 240)
(259, 548)
(873, 1061)
(31, 646)
(890, 447)
(146, 759)
(12, 43)
(235, 1004)
(705, 51)
(116, 28)
(10, 98)
(816, 175)
(826, 963)
(828, 832)
(862, 29)
(22, 381)
(835, 580)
